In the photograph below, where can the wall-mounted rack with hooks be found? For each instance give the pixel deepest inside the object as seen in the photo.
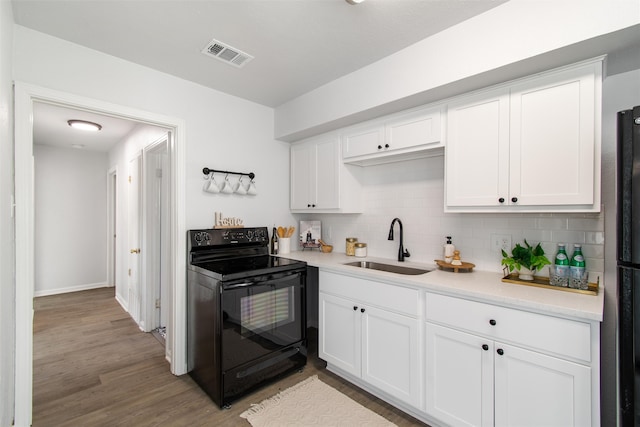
(207, 171)
(229, 186)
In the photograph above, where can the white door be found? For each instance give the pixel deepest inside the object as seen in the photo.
(339, 333)
(477, 150)
(156, 192)
(133, 210)
(459, 377)
(532, 390)
(390, 353)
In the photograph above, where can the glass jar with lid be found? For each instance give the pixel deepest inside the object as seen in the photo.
(361, 249)
(350, 248)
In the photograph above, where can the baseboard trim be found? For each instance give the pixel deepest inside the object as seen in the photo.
(77, 288)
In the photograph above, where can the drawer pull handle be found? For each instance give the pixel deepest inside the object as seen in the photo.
(492, 322)
(362, 310)
(379, 147)
(500, 351)
(386, 145)
(514, 199)
(355, 307)
(485, 347)
(501, 199)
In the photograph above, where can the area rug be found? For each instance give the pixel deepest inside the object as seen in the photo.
(312, 403)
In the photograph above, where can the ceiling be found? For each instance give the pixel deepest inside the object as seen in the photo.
(50, 127)
(297, 45)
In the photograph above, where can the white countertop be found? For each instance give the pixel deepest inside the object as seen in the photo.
(477, 285)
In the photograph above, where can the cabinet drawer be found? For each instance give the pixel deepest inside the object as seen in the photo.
(547, 333)
(391, 297)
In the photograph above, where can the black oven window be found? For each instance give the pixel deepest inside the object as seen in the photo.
(267, 311)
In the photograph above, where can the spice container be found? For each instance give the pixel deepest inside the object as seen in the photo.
(351, 246)
(361, 250)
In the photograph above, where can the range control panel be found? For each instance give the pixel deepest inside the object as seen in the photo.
(229, 236)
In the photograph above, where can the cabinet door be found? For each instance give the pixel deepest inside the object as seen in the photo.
(552, 144)
(532, 389)
(302, 176)
(363, 140)
(414, 129)
(390, 353)
(477, 150)
(339, 333)
(315, 175)
(327, 174)
(459, 377)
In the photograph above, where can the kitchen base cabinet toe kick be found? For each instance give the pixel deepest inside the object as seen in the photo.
(451, 361)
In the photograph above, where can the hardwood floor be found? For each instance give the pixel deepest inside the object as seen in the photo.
(93, 367)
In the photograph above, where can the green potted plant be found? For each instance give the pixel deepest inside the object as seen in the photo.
(526, 260)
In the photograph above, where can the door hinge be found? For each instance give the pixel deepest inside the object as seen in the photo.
(129, 179)
(129, 272)
(158, 303)
(158, 173)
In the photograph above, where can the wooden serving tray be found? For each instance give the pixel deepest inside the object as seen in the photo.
(543, 282)
(465, 267)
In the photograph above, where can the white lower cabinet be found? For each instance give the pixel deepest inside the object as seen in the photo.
(452, 361)
(473, 381)
(533, 389)
(475, 378)
(378, 346)
(457, 390)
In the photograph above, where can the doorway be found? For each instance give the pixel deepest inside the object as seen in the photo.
(25, 96)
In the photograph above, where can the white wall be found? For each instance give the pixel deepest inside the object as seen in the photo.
(70, 219)
(222, 131)
(508, 41)
(7, 236)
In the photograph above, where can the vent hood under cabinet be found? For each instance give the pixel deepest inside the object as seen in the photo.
(410, 135)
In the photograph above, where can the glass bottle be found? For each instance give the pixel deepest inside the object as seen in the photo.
(577, 267)
(274, 242)
(560, 276)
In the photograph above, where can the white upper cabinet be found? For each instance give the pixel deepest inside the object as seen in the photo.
(531, 146)
(408, 135)
(477, 162)
(320, 182)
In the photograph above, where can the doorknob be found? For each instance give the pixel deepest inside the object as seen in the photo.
(135, 251)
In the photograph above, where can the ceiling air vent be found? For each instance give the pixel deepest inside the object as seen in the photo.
(227, 54)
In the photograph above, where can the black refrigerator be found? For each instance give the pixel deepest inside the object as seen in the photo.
(628, 253)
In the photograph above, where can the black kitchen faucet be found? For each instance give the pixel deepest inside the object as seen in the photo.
(402, 253)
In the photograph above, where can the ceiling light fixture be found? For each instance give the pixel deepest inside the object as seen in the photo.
(354, 1)
(84, 125)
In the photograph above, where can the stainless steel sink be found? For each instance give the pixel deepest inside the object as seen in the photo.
(388, 267)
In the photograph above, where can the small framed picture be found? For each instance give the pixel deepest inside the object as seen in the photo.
(310, 234)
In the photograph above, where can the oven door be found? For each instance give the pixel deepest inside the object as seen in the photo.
(262, 315)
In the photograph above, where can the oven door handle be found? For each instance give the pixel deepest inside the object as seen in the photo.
(271, 280)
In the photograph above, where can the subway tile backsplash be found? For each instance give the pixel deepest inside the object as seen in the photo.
(414, 192)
